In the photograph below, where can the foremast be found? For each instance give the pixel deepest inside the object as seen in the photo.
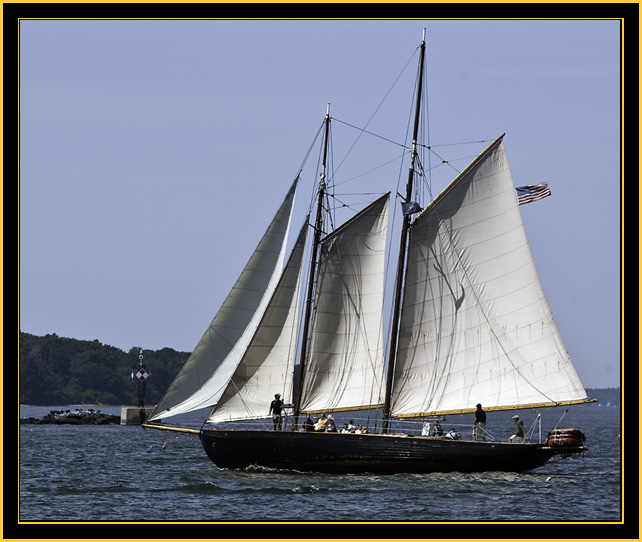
(405, 226)
(318, 226)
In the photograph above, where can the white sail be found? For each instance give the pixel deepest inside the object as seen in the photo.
(344, 366)
(203, 377)
(475, 325)
(268, 364)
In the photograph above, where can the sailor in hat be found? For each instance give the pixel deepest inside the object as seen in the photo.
(519, 431)
(275, 410)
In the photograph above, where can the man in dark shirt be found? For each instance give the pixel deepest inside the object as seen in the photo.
(275, 410)
(479, 427)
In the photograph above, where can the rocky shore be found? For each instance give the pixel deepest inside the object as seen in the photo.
(74, 417)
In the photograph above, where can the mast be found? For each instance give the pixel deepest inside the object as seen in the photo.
(313, 265)
(405, 226)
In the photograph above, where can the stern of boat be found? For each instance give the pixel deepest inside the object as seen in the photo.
(566, 442)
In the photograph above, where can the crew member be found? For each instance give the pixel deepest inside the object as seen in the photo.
(479, 426)
(519, 430)
(275, 409)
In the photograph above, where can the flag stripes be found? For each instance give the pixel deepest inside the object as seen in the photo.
(532, 192)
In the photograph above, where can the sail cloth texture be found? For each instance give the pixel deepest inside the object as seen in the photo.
(203, 377)
(475, 325)
(268, 364)
(344, 365)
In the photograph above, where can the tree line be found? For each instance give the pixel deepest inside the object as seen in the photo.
(61, 371)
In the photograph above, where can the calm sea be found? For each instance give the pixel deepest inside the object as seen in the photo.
(127, 473)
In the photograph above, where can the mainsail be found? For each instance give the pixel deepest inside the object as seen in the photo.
(475, 325)
(206, 373)
(344, 365)
(268, 364)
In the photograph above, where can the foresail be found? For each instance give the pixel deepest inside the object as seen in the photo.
(268, 364)
(207, 371)
(344, 366)
(475, 325)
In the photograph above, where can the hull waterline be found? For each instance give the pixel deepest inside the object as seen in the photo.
(342, 453)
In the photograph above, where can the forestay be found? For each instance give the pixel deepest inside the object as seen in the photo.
(475, 325)
(203, 377)
(344, 365)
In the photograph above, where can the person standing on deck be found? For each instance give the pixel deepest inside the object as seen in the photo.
(275, 410)
(479, 426)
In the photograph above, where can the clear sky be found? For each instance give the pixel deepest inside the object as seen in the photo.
(153, 154)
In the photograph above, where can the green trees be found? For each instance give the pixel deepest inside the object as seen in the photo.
(60, 371)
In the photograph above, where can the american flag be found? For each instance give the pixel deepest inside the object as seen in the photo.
(532, 192)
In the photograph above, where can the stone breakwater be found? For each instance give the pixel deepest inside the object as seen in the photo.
(74, 417)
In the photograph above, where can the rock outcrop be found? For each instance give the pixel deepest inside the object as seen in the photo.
(74, 417)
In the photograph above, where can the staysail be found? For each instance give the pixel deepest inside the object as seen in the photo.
(475, 325)
(206, 372)
(344, 366)
(268, 364)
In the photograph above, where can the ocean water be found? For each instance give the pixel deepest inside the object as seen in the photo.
(126, 473)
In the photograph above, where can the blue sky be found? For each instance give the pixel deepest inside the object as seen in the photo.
(154, 153)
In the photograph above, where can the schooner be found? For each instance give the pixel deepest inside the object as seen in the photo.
(470, 324)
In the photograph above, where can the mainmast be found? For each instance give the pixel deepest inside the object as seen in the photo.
(405, 226)
(313, 265)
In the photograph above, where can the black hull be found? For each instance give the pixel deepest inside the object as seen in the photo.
(343, 453)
